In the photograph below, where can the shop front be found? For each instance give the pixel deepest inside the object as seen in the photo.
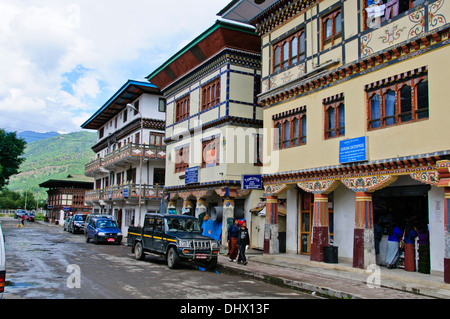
(348, 207)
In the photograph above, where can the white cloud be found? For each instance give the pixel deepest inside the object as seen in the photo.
(63, 59)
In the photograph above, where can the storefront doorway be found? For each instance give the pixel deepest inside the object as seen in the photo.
(401, 205)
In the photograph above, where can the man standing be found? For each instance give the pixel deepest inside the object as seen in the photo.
(243, 240)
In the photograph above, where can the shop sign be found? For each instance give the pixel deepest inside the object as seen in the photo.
(251, 182)
(191, 175)
(353, 150)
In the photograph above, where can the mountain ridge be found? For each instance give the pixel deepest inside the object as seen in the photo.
(53, 157)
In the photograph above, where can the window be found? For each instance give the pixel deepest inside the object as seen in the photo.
(136, 106)
(159, 176)
(290, 131)
(181, 159)
(376, 13)
(210, 152)
(125, 115)
(289, 51)
(334, 117)
(162, 105)
(156, 139)
(211, 94)
(331, 27)
(182, 108)
(401, 101)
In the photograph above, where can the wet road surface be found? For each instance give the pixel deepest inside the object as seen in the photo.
(45, 262)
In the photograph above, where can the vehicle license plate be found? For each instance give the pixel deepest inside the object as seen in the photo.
(201, 256)
(110, 239)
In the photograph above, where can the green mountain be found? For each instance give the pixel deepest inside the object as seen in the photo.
(54, 157)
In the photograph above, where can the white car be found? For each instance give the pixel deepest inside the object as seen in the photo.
(2, 262)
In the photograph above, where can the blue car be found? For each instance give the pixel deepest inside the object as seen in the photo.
(103, 230)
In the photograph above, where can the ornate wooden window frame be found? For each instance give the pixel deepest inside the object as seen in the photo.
(182, 108)
(334, 35)
(281, 120)
(300, 56)
(396, 84)
(181, 159)
(210, 94)
(212, 143)
(333, 103)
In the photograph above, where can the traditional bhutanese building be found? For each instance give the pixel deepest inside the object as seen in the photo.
(129, 164)
(212, 122)
(356, 124)
(66, 196)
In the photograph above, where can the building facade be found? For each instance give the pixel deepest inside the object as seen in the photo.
(355, 112)
(129, 168)
(66, 196)
(213, 122)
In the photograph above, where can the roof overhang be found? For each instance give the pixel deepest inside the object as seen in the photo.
(128, 93)
(245, 10)
(223, 34)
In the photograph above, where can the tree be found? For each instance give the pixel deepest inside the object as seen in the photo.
(11, 150)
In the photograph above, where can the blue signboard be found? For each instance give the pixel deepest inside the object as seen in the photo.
(251, 182)
(125, 193)
(353, 150)
(191, 175)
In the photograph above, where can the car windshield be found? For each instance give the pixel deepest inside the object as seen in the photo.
(80, 218)
(183, 224)
(106, 224)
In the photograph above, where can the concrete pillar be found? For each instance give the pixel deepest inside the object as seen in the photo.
(363, 238)
(271, 241)
(320, 235)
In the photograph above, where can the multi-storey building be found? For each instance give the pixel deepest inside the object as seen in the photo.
(129, 168)
(66, 196)
(213, 122)
(356, 111)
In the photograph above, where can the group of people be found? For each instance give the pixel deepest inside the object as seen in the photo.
(238, 240)
(399, 240)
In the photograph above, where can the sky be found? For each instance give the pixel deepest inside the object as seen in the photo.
(61, 60)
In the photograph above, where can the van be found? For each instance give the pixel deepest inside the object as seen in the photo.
(2, 262)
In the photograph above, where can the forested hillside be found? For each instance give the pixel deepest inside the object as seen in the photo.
(53, 157)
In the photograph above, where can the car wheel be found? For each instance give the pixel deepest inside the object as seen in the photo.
(172, 258)
(87, 238)
(139, 251)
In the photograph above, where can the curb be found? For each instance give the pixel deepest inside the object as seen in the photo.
(324, 292)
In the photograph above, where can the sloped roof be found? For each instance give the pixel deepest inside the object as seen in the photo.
(223, 34)
(75, 181)
(129, 92)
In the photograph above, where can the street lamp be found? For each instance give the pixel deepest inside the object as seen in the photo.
(131, 106)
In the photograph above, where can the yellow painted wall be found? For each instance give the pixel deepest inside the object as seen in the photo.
(426, 136)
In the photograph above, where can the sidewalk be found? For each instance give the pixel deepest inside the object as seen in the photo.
(337, 280)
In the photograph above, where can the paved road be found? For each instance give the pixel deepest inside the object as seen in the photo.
(38, 259)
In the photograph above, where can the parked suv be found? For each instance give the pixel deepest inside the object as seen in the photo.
(176, 237)
(2, 262)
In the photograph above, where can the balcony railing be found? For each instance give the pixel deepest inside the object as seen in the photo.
(125, 191)
(125, 154)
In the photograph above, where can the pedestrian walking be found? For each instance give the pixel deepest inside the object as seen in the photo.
(232, 240)
(23, 219)
(243, 240)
